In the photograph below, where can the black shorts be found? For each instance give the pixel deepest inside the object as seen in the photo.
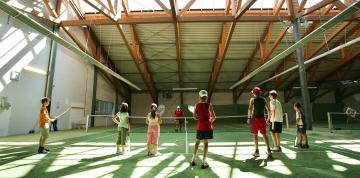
(276, 127)
(202, 135)
(301, 129)
(181, 121)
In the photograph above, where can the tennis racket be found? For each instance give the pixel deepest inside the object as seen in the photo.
(128, 142)
(67, 110)
(160, 110)
(191, 108)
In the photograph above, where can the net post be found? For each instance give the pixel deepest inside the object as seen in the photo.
(87, 124)
(287, 120)
(329, 121)
(106, 121)
(186, 138)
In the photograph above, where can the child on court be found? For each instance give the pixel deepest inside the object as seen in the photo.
(205, 116)
(44, 119)
(276, 120)
(123, 127)
(153, 121)
(256, 114)
(301, 127)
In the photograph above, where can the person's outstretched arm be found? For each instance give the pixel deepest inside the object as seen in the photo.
(250, 109)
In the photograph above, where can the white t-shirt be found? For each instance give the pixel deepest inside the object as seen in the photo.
(299, 115)
(276, 105)
(122, 119)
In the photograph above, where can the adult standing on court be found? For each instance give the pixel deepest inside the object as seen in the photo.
(276, 119)
(178, 120)
(256, 115)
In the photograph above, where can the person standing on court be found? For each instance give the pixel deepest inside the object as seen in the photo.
(205, 116)
(276, 120)
(256, 116)
(179, 121)
(153, 121)
(44, 121)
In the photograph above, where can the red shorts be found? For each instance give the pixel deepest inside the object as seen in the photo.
(258, 124)
(153, 134)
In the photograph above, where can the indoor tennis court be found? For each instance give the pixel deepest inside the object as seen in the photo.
(179, 88)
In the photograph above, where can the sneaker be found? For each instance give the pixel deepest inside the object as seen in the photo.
(275, 149)
(42, 152)
(158, 154)
(120, 153)
(192, 163)
(256, 153)
(298, 145)
(305, 146)
(150, 154)
(46, 149)
(204, 165)
(280, 150)
(269, 155)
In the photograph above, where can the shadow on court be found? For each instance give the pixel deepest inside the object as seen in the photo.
(92, 155)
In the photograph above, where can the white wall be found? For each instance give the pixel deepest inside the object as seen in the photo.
(19, 47)
(73, 85)
(106, 92)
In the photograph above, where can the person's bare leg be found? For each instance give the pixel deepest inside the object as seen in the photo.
(206, 146)
(256, 141)
(273, 137)
(155, 149)
(266, 140)
(305, 139)
(197, 143)
(148, 148)
(299, 139)
(278, 140)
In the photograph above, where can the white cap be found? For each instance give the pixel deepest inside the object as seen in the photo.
(273, 91)
(155, 105)
(178, 107)
(203, 93)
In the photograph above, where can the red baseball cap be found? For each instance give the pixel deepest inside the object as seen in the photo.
(256, 90)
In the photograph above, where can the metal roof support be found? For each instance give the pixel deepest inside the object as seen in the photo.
(175, 14)
(335, 20)
(302, 73)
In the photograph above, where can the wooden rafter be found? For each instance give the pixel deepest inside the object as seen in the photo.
(125, 6)
(190, 16)
(266, 56)
(302, 5)
(187, 7)
(58, 6)
(224, 41)
(94, 49)
(341, 65)
(101, 8)
(163, 6)
(111, 7)
(50, 8)
(293, 7)
(315, 7)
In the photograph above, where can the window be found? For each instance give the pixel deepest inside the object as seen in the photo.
(103, 107)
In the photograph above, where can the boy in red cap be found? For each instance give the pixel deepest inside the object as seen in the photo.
(256, 114)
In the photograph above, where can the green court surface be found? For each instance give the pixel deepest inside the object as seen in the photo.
(79, 154)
